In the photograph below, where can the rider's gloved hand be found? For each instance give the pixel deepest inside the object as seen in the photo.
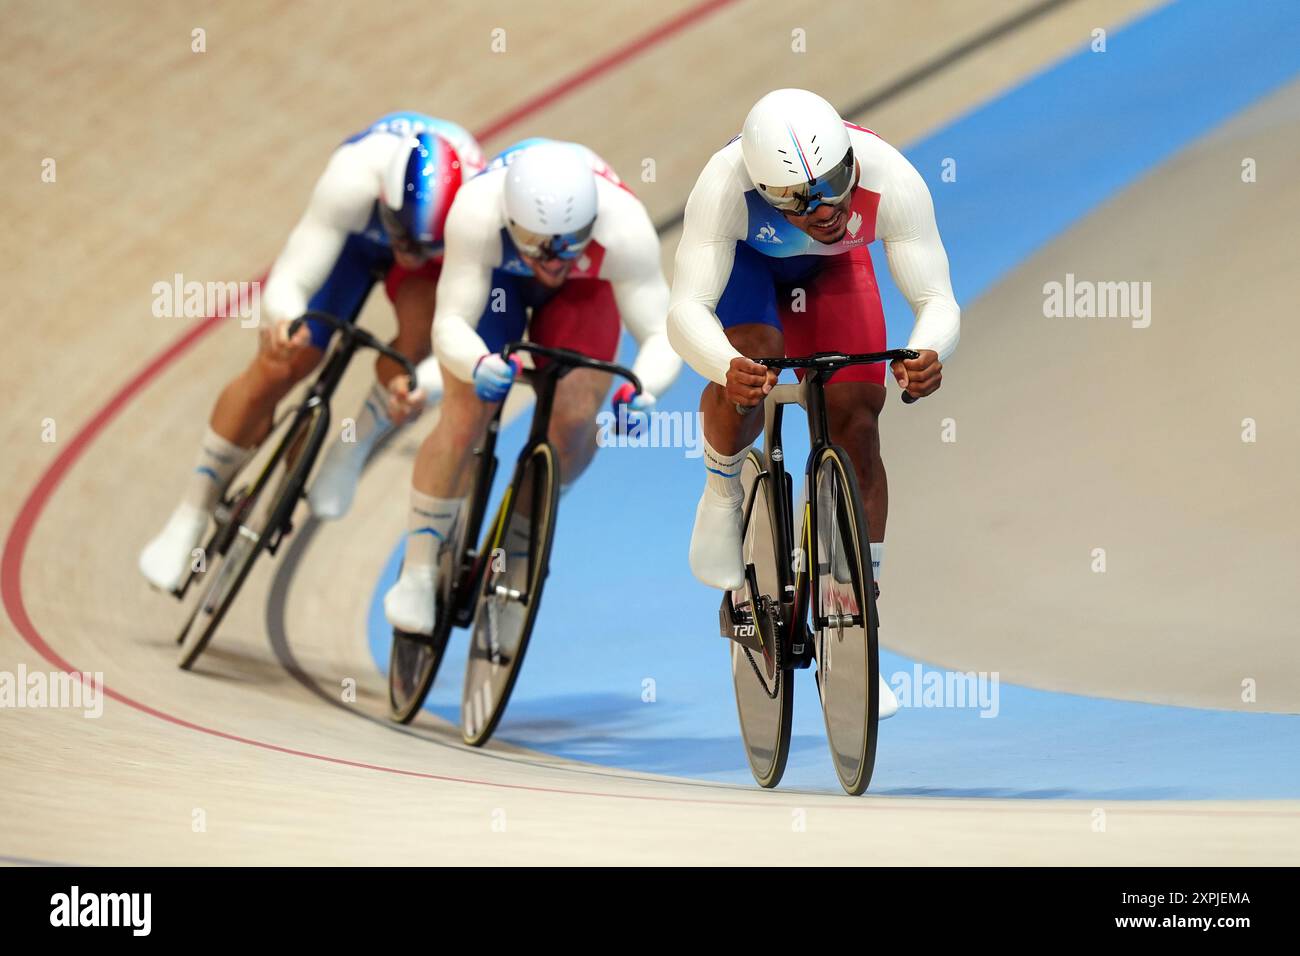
(631, 409)
(404, 404)
(277, 345)
(920, 376)
(493, 376)
(748, 383)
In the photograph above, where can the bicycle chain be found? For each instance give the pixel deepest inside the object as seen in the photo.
(780, 660)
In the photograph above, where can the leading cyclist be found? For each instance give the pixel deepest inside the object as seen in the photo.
(773, 261)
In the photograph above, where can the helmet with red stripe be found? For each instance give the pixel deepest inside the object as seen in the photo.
(797, 151)
(419, 185)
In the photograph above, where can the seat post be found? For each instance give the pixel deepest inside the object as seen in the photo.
(814, 400)
(543, 382)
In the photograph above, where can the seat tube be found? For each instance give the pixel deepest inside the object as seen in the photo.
(774, 455)
(335, 366)
(814, 395)
(544, 383)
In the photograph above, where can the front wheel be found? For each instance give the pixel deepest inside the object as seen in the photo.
(415, 658)
(256, 515)
(764, 690)
(517, 554)
(845, 622)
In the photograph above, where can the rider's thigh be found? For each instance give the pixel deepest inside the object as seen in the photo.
(273, 380)
(578, 397)
(852, 415)
(462, 416)
(413, 304)
(757, 340)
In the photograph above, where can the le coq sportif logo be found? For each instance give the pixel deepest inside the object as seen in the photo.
(76, 908)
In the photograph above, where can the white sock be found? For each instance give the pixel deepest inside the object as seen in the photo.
(430, 522)
(877, 557)
(372, 421)
(219, 461)
(723, 472)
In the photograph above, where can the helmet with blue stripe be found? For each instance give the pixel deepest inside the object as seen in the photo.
(419, 186)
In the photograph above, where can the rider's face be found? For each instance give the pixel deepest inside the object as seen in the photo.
(826, 224)
(549, 272)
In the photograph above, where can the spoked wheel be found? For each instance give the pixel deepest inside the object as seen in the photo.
(517, 553)
(848, 663)
(764, 690)
(252, 518)
(415, 658)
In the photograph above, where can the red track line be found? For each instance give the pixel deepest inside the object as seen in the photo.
(638, 45)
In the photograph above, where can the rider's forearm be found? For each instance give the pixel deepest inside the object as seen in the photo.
(457, 345)
(920, 270)
(938, 327)
(300, 269)
(697, 336)
(340, 203)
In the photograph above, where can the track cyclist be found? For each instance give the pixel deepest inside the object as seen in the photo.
(546, 239)
(774, 261)
(382, 201)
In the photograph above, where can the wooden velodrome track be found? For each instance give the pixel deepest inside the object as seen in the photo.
(170, 161)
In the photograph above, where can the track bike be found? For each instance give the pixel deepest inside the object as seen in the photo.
(809, 599)
(258, 515)
(494, 584)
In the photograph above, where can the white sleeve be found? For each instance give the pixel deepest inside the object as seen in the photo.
(464, 285)
(917, 259)
(340, 204)
(715, 221)
(633, 268)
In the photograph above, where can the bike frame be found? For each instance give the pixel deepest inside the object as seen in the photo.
(544, 381)
(350, 340)
(798, 596)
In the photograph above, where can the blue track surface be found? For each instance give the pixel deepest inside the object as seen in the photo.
(617, 616)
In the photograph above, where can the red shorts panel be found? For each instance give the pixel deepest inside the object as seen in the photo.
(842, 313)
(582, 317)
(397, 275)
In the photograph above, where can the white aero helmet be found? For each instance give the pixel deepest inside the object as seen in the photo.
(550, 200)
(797, 151)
